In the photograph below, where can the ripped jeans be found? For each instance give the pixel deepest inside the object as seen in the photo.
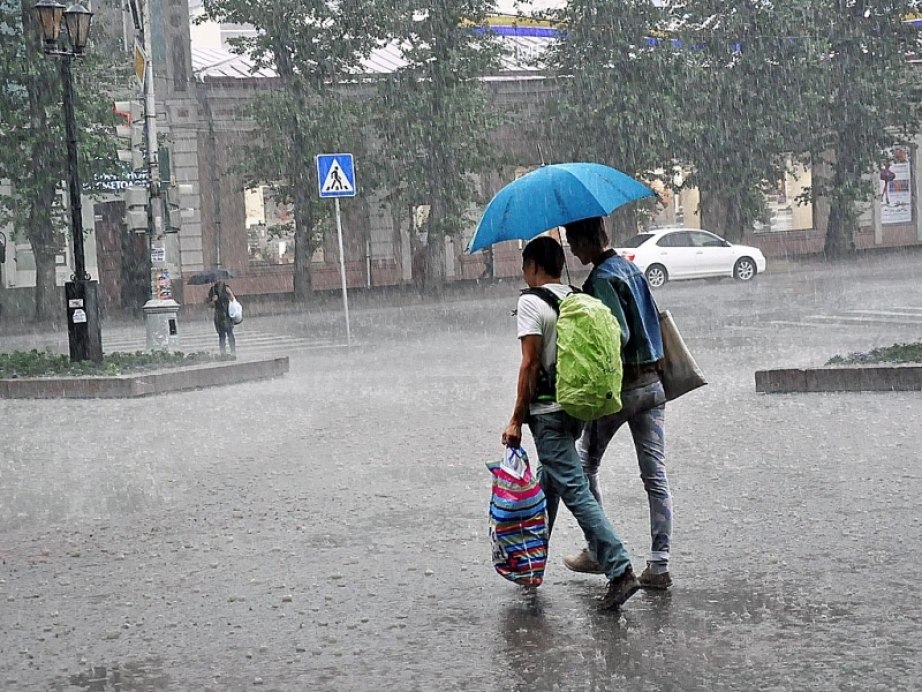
(644, 411)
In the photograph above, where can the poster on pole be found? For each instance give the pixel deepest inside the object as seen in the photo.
(895, 186)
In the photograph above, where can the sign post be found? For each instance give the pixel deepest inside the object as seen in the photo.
(336, 178)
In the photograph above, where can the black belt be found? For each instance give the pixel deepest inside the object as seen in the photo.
(639, 375)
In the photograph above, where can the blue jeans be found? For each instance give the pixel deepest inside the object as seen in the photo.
(562, 478)
(644, 410)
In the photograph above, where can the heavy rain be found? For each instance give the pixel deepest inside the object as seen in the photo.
(262, 329)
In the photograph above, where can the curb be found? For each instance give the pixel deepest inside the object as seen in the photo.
(143, 384)
(877, 378)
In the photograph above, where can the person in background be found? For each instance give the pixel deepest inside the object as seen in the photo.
(220, 295)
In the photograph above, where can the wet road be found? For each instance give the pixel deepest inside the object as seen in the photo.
(327, 531)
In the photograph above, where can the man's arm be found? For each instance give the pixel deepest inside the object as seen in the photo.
(525, 389)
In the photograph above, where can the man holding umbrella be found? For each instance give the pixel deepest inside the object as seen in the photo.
(548, 197)
(555, 432)
(622, 287)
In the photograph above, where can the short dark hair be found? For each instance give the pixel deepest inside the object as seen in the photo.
(591, 229)
(546, 253)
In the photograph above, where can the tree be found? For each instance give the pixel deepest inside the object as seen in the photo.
(617, 100)
(434, 117)
(748, 100)
(871, 101)
(316, 48)
(33, 155)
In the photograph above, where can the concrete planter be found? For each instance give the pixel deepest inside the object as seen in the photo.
(143, 384)
(866, 378)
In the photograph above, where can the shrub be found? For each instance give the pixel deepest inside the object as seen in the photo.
(35, 363)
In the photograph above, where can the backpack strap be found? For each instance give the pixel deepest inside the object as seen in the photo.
(545, 294)
(546, 391)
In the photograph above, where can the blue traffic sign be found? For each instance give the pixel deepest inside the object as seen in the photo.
(336, 175)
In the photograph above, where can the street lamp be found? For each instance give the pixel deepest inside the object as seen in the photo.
(81, 294)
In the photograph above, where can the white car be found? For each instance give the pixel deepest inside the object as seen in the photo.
(672, 254)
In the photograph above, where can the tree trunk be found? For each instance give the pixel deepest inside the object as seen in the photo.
(841, 227)
(397, 235)
(47, 170)
(46, 245)
(843, 215)
(49, 298)
(436, 274)
(623, 225)
(711, 211)
(719, 214)
(304, 250)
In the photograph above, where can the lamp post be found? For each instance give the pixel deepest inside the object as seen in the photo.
(81, 293)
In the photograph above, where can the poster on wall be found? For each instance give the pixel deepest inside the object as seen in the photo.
(895, 187)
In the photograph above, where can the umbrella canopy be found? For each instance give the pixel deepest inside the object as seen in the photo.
(209, 276)
(552, 196)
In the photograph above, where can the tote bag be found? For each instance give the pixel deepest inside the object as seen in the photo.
(680, 373)
(235, 311)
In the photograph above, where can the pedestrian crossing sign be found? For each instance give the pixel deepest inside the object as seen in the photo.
(336, 175)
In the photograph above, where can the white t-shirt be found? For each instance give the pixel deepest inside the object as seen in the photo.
(536, 317)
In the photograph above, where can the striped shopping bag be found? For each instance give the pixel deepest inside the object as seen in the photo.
(518, 525)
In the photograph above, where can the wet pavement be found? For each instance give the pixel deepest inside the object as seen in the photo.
(327, 531)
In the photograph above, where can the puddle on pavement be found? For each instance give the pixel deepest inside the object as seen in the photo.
(147, 676)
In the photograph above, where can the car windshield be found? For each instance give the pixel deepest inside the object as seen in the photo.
(637, 240)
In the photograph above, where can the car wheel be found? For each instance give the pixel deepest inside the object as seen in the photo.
(744, 269)
(656, 275)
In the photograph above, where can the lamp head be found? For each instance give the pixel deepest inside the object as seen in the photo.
(47, 15)
(77, 18)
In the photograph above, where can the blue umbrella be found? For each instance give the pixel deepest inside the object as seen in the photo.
(552, 196)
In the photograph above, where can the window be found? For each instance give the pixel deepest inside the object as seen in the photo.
(677, 239)
(270, 228)
(637, 240)
(699, 239)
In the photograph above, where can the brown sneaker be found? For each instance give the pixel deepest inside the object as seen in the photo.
(619, 590)
(660, 582)
(582, 562)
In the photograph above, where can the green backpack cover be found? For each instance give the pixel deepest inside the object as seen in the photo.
(587, 380)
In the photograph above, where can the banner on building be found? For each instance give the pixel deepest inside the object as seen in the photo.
(895, 186)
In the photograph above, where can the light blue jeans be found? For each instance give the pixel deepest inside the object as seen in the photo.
(562, 478)
(644, 411)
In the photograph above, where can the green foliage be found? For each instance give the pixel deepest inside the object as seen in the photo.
(617, 101)
(433, 117)
(898, 353)
(736, 92)
(872, 99)
(19, 364)
(33, 154)
(747, 95)
(316, 48)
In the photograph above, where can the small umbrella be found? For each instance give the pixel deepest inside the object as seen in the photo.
(552, 196)
(209, 276)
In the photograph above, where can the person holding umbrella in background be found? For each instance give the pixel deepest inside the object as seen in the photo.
(220, 296)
